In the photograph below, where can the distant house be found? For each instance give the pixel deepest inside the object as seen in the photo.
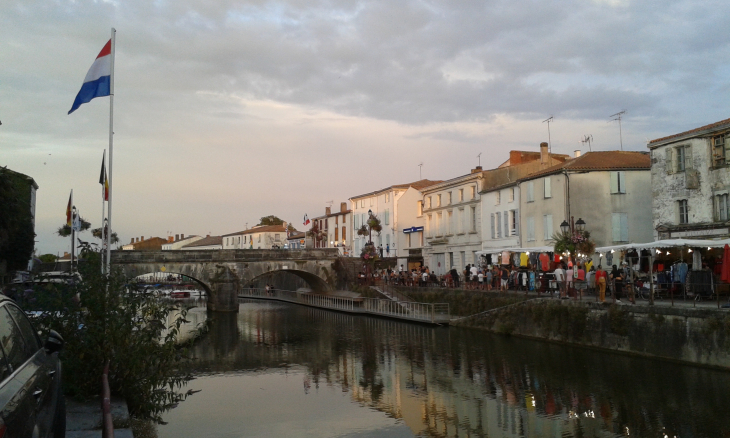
(208, 242)
(140, 244)
(258, 237)
(179, 242)
(296, 240)
(335, 227)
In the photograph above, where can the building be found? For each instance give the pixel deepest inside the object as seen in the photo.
(335, 228)
(18, 243)
(690, 181)
(179, 241)
(207, 242)
(140, 244)
(609, 190)
(400, 214)
(258, 237)
(500, 195)
(296, 240)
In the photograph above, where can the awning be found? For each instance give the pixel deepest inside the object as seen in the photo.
(668, 243)
(513, 249)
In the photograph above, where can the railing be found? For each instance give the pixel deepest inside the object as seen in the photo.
(424, 312)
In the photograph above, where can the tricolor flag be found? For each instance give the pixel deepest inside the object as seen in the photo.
(104, 181)
(98, 78)
(306, 220)
(69, 207)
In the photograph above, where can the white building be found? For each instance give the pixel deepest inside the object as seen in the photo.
(690, 180)
(336, 227)
(399, 212)
(208, 242)
(258, 237)
(610, 191)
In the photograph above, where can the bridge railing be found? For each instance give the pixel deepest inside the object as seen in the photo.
(424, 312)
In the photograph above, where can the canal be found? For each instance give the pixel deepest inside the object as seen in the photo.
(282, 370)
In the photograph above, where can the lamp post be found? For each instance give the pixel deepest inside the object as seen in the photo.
(574, 228)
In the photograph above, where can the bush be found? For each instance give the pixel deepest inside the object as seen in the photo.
(108, 319)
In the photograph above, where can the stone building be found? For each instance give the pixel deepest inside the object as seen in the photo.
(177, 242)
(336, 227)
(690, 181)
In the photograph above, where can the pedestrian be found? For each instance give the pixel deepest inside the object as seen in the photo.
(489, 279)
(380, 248)
(480, 277)
(560, 280)
(601, 283)
(505, 278)
(617, 280)
(387, 249)
(400, 269)
(455, 277)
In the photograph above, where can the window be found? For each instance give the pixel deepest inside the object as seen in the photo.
(718, 151)
(683, 211)
(461, 195)
(531, 191)
(492, 224)
(277, 237)
(337, 236)
(420, 208)
(387, 197)
(721, 207)
(337, 220)
(259, 238)
(438, 201)
(530, 228)
(547, 189)
(429, 226)
(473, 224)
(511, 194)
(678, 159)
(498, 225)
(514, 221)
(497, 198)
(618, 182)
(620, 225)
(344, 234)
(439, 224)
(460, 221)
(362, 203)
(506, 224)
(386, 217)
(547, 227)
(473, 192)
(17, 352)
(429, 202)
(450, 198)
(450, 229)
(357, 222)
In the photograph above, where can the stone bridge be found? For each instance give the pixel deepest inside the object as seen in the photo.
(224, 272)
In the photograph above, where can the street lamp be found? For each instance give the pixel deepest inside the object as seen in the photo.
(580, 225)
(370, 227)
(565, 227)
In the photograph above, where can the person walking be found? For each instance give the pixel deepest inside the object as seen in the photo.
(601, 283)
(387, 249)
(505, 278)
(560, 279)
(489, 279)
(617, 280)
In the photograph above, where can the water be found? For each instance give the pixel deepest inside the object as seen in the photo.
(281, 370)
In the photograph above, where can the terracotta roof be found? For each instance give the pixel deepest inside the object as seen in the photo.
(206, 241)
(337, 213)
(418, 185)
(260, 229)
(603, 160)
(693, 131)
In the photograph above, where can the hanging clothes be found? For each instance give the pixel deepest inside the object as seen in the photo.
(589, 265)
(505, 257)
(523, 259)
(609, 259)
(516, 259)
(545, 262)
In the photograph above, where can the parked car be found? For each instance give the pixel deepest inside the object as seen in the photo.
(31, 398)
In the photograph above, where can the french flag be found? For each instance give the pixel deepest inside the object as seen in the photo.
(98, 79)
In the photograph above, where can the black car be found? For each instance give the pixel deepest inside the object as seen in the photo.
(31, 399)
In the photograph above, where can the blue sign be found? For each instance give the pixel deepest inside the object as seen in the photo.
(412, 230)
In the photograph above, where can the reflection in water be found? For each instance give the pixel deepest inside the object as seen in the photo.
(438, 381)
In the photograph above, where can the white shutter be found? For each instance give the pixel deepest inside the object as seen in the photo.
(614, 182)
(517, 222)
(492, 220)
(530, 191)
(547, 226)
(548, 188)
(616, 227)
(506, 224)
(621, 181)
(530, 229)
(624, 227)
(499, 224)
(669, 161)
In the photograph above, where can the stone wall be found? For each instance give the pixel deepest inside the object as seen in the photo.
(698, 336)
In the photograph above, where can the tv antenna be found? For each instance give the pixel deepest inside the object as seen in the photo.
(548, 120)
(479, 157)
(588, 139)
(420, 167)
(330, 202)
(614, 118)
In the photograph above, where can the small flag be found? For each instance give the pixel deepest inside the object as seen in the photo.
(306, 220)
(97, 82)
(104, 181)
(69, 207)
(77, 220)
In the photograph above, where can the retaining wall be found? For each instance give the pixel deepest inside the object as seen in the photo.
(699, 336)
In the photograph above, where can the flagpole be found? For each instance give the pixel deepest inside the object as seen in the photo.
(111, 154)
(103, 215)
(72, 230)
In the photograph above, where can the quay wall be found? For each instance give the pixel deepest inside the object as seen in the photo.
(691, 335)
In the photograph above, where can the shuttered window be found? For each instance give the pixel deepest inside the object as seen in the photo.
(620, 225)
(531, 191)
(618, 182)
(547, 189)
(547, 227)
(499, 225)
(530, 228)
(492, 224)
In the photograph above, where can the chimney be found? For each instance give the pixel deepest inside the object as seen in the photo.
(515, 157)
(343, 207)
(132, 241)
(544, 155)
(170, 239)
(141, 239)
(177, 237)
(577, 153)
(476, 169)
(182, 236)
(328, 211)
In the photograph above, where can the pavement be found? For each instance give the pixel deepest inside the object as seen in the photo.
(83, 419)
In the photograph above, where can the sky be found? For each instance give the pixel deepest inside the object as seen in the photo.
(227, 111)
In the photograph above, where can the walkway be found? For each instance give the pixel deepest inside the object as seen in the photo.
(409, 311)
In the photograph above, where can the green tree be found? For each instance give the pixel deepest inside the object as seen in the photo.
(107, 318)
(48, 258)
(17, 237)
(271, 220)
(96, 232)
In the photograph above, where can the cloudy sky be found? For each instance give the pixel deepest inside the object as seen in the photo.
(226, 111)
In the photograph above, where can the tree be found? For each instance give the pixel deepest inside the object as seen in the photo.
(271, 220)
(48, 258)
(17, 237)
(96, 232)
(315, 233)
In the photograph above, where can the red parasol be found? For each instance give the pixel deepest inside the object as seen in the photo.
(725, 276)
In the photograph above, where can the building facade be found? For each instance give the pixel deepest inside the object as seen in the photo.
(335, 228)
(258, 237)
(690, 181)
(179, 241)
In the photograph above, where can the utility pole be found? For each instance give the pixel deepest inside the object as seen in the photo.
(420, 167)
(616, 117)
(479, 157)
(550, 145)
